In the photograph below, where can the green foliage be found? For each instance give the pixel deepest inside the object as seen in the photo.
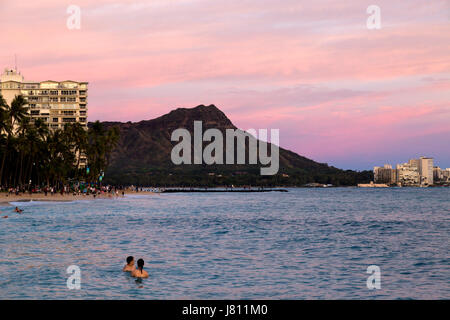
(185, 176)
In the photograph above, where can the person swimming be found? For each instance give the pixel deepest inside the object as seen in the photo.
(140, 272)
(18, 210)
(130, 265)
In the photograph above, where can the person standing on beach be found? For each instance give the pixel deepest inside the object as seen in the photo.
(140, 272)
(130, 265)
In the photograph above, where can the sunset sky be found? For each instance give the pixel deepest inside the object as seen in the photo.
(339, 92)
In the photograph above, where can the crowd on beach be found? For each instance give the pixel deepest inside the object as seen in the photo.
(87, 190)
(64, 193)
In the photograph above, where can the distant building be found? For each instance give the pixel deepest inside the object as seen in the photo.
(426, 170)
(414, 163)
(437, 174)
(441, 175)
(385, 174)
(416, 172)
(408, 174)
(446, 175)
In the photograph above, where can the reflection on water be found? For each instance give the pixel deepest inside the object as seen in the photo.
(305, 244)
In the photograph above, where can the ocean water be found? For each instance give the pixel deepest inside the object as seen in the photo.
(304, 244)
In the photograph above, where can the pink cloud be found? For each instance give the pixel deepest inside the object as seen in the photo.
(312, 69)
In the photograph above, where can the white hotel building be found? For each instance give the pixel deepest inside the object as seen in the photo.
(55, 102)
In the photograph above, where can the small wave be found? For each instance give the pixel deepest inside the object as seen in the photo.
(221, 232)
(142, 196)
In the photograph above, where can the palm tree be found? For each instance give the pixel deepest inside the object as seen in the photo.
(22, 145)
(101, 143)
(77, 137)
(3, 114)
(14, 113)
(112, 139)
(17, 110)
(29, 151)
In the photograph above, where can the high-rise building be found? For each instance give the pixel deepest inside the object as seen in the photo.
(426, 170)
(55, 102)
(437, 174)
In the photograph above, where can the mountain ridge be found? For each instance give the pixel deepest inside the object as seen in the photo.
(143, 157)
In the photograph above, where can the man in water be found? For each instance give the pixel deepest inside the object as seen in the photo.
(140, 272)
(130, 265)
(18, 210)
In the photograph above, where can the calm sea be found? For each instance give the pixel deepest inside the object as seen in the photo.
(304, 244)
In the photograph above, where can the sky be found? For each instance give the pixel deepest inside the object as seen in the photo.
(339, 92)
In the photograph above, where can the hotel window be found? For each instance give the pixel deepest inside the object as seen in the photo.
(71, 99)
(82, 99)
(69, 113)
(65, 92)
(34, 112)
(82, 119)
(82, 106)
(63, 99)
(54, 99)
(82, 92)
(54, 126)
(69, 119)
(55, 120)
(54, 92)
(82, 113)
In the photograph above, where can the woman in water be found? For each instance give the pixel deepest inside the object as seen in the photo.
(139, 272)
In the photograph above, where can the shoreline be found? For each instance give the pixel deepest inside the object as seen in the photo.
(6, 199)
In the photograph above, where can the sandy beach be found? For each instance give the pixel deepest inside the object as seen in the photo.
(6, 198)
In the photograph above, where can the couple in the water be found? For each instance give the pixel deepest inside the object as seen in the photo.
(137, 273)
